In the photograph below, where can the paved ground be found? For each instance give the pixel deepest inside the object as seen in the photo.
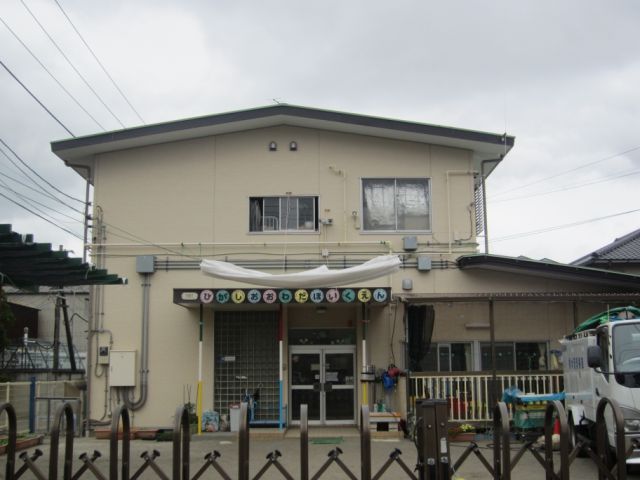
(289, 446)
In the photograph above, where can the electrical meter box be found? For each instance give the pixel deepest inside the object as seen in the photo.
(122, 368)
(103, 355)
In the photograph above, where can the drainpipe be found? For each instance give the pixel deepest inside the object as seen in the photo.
(484, 200)
(447, 173)
(144, 350)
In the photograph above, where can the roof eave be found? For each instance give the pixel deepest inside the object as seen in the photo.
(82, 149)
(552, 270)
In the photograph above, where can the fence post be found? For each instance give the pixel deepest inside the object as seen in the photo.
(433, 443)
(32, 405)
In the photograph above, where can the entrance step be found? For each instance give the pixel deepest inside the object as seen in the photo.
(325, 432)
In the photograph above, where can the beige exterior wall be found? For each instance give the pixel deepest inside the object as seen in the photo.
(189, 200)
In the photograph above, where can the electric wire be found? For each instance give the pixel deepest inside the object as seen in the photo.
(569, 187)
(99, 62)
(22, 184)
(40, 216)
(41, 190)
(633, 149)
(40, 177)
(84, 80)
(36, 99)
(560, 227)
(75, 100)
(34, 202)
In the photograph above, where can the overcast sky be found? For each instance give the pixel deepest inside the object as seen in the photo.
(561, 76)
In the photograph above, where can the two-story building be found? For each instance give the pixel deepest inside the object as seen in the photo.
(285, 189)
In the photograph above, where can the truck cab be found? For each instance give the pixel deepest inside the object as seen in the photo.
(604, 362)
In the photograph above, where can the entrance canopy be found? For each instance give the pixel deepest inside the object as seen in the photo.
(316, 277)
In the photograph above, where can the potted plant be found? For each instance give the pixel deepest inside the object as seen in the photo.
(464, 432)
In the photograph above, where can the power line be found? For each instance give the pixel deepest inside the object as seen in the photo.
(39, 176)
(560, 227)
(99, 62)
(570, 187)
(36, 99)
(34, 202)
(40, 216)
(568, 171)
(71, 63)
(51, 74)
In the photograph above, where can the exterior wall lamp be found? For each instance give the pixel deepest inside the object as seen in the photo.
(273, 146)
(293, 145)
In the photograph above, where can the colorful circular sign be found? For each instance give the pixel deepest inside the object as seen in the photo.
(269, 296)
(348, 295)
(285, 296)
(237, 296)
(380, 295)
(332, 295)
(364, 295)
(317, 295)
(301, 296)
(206, 296)
(254, 296)
(222, 296)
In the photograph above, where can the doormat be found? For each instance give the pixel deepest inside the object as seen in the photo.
(326, 440)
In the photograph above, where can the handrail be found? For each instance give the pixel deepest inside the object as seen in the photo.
(120, 412)
(365, 444)
(556, 406)
(304, 442)
(12, 439)
(243, 443)
(501, 442)
(602, 443)
(181, 439)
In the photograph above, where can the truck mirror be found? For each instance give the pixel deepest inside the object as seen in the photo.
(594, 355)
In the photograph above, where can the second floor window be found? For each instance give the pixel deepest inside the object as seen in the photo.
(276, 214)
(396, 204)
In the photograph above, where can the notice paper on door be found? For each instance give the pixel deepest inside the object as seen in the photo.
(331, 376)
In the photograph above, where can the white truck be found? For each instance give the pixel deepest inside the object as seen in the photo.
(601, 358)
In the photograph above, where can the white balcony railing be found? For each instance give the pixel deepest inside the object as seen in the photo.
(469, 395)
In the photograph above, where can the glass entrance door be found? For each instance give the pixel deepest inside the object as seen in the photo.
(323, 377)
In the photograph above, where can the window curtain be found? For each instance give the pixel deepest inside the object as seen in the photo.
(379, 204)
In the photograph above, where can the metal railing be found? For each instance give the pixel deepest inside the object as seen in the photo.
(35, 403)
(470, 395)
(434, 461)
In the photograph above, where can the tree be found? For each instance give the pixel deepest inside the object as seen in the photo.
(6, 319)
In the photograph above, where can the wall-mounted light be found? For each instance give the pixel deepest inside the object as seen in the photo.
(293, 145)
(273, 146)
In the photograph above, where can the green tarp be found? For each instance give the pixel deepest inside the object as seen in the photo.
(611, 315)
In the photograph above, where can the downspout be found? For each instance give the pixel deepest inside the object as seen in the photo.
(484, 200)
(447, 173)
(144, 351)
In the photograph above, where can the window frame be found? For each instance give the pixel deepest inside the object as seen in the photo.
(429, 212)
(514, 349)
(287, 231)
